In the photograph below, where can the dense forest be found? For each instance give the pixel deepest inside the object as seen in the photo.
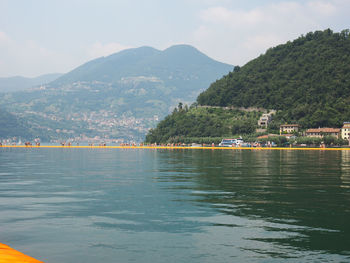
(307, 81)
(203, 125)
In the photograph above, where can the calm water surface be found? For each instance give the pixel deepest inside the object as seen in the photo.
(114, 205)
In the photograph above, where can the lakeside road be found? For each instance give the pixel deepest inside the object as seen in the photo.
(178, 147)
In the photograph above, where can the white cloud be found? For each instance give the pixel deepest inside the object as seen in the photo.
(99, 49)
(233, 31)
(203, 32)
(267, 40)
(231, 18)
(29, 58)
(321, 7)
(4, 38)
(238, 35)
(210, 2)
(217, 15)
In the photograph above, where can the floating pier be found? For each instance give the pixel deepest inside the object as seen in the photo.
(178, 147)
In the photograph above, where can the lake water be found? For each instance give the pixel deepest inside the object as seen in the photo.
(143, 205)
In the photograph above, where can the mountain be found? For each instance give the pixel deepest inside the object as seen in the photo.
(307, 81)
(119, 96)
(110, 69)
(12, 126)
(182, 66)
(19, 83)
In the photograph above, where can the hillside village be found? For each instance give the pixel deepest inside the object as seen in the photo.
(292, 130)
(305, 81)
(117, 97)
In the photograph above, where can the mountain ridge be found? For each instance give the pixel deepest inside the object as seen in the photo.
(135, 62)
(17, 83)
(118, 96)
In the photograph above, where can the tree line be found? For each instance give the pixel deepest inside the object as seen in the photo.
(202, 125)
(307, 81)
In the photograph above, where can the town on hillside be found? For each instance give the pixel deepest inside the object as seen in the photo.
(321, 135)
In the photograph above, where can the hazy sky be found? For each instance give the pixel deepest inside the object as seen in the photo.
(46, 36)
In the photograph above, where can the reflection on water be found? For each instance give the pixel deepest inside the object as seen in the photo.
(345, 169)
(94, 205)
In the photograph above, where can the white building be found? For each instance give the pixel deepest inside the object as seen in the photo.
(289, 128)
(345, 131)
(265, 119)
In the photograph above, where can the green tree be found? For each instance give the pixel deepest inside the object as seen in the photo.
(305, 80)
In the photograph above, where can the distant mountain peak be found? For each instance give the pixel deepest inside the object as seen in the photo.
(139, 51)
(18, 83)
(143, 61)
(181, 47)
(142, 49)
(184, 49)
(118, 96)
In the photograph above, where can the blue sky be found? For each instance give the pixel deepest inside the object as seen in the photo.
(46, 36)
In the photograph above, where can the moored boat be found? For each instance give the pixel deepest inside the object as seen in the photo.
(231, 142)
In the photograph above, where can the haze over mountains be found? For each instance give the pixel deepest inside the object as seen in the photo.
(180, 62)
(18, 83)
(118, 96)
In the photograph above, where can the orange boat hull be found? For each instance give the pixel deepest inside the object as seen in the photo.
(9, 255)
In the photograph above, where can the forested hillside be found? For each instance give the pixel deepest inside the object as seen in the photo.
(203, 125)
(306, 80)
(11, 126)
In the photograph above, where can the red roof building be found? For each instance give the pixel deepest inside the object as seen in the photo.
(321, 132)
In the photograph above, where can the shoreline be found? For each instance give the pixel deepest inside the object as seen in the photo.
(177, 147)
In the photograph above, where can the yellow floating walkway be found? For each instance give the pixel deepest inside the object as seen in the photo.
(179, 147)
(9, 255)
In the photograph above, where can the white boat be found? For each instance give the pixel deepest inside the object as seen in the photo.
(231, 142)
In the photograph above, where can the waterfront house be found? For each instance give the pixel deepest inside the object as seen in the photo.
(265, 119)
(289, 128)
(345, 131)
(321, 132)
